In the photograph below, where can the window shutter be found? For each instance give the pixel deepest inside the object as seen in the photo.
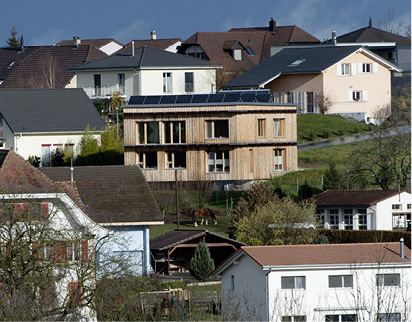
(375, 68)
(360, 68)
(339, 69)
(85, 250)
(353, 69)
(350, 96)
(364, 95)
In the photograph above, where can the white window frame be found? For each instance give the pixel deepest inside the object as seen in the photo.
(344, 280)
(141, 160)
(362, 219)
(344, 69)
(299, 282)
(279, 159)
(333, 218)
(348, 219)
(382, 280)
(218, 159)
(169, 125)
(167, 82)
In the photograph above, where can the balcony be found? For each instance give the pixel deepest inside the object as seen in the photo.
(104, 92)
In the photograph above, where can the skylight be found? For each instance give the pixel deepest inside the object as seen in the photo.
(297, 62)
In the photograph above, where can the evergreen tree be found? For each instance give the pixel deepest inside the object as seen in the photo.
(201, 264)
(13, 42)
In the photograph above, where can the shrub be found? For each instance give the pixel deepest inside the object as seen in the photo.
(356, 129)
(341, 132)
(312, 136)
(34, 161)
(201, 264)
(326, 134)
(321, 239)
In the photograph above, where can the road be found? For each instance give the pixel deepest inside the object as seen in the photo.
(352, 138)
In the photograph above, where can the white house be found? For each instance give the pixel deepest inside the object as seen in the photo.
(37, 122)
(364, 209)
(146, 71)
(346, 282)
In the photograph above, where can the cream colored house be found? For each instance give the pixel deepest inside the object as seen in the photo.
(355, 81)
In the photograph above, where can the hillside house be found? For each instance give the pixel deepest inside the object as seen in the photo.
(234, 138)
(350, 80)
(329, 282)
(364, 209)
(37, 122)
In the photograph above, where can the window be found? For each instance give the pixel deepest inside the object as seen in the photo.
(362, 219)
(297, 62)
(279, 155)
(167, 82)
(295, 318)
(217, 129)
(366, 68)
(389, 317)
(45, 155)
(251, 160)
(334, 219)
(189, 84)
(148, 132)
(388, 280)
(219, 161)
(337, 281)
(97, 84)
(249, 51)
(237, 54)
(408, 206)
(147, 160)
(345, 69)
(396, 207)
(357, 96)
(176, 159)
(399, 221)
(121, 82)
(175, 132)
(278, 127)
(341, 318)
(311, 99)
(292, 97)
(293, 282)
(232, 282)
(348, 219)
(261, 128)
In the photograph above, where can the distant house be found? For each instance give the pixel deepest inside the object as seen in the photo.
(37, 122)
(44, 66)
(336, 282)
(118, 198)
(364, 209)
(241, 49)
(229, 138)
(173, 251)
(167, 44)
(355, 81)
(107, 45)
(145, 71)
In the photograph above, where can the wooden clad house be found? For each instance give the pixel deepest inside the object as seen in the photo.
(225, 137)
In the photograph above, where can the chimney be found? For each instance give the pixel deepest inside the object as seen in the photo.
(132, 48)
(370, 22)
(334, 39)
(153, 35)
(272, 25)
(77, 41)
(402, 249)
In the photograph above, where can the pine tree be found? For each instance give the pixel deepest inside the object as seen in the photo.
(201, 264)
(13, 42)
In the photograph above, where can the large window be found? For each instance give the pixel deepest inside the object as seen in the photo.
(348, 219)
(148, 132)
(279, 159)
(341, 318)
(176, 159)
(261, 128)
(389, 317)
(121, 81)
(311, 99)
(294, 318)
(345, 69)
(388, 280)
(217, 129)
(147, 160)
(278, 127)
(293, 282)
(400, 221)
(362, 219)
(219, 161)
(175, 132)
(167, 82)
(366, 68)
(189, 82)
(334, 219)
(97, 84)
(338, 281)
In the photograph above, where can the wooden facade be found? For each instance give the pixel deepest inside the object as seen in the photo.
(227, 142)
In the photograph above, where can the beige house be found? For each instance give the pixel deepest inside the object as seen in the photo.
(226, 138)
(355, 81)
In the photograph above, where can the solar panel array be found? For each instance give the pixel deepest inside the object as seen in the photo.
(220, 97)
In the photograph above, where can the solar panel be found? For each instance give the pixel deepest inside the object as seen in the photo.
(183, 99)
(232, 97)
(200, 98)
(263, 98)
(135, 100)
(248, 98)
(168, 99)
(216, 98)
(152, 100)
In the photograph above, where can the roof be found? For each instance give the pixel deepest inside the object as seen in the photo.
(353, 197)
(98, 43)
(48, 110)
(145, 57)
(182, 236)
(32, 68)
(162, 44)
(18, 176)
(11, 57)
(315, 59)
(321, 255)
(110, 194)
(259, 40)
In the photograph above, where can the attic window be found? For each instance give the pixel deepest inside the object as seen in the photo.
(249, 51)
(11, 65)
(297, 62)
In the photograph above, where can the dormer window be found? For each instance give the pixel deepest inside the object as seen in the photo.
(234, 48)
(237, 54)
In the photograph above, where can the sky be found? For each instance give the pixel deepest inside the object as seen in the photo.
(46, 22)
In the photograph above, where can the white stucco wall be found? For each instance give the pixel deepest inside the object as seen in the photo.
(384, 211)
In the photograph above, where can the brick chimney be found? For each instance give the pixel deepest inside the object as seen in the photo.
(272, 24)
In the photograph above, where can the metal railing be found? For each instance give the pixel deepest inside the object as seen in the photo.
(104, 91)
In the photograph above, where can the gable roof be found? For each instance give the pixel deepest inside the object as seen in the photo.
(48, 110)
(98, 43)
(162, 44)
(34, 69)
(145, 57)
(17, 176)
(316, 59)
(182, 236)
(11, 57)
(110, 195)
(364, 198)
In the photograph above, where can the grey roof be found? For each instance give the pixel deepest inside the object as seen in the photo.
(314, 59)
(48, 110)
(145, 57)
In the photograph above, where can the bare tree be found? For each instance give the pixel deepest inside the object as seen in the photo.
(325, 102)
(389, 23)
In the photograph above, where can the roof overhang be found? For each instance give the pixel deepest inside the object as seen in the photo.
(133, 223)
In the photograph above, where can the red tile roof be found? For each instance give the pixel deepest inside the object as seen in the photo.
(327, 254)
(156, 43)
(94, 42)
(353, 197)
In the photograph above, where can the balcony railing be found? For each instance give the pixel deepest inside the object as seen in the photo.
(103, 91)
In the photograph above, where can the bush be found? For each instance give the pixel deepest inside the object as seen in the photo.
(356, 129)
(341, 132)
(34, 161)
(321, 239)
(311, 136)
(326, 134)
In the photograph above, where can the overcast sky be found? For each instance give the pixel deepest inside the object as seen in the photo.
(45, 22)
